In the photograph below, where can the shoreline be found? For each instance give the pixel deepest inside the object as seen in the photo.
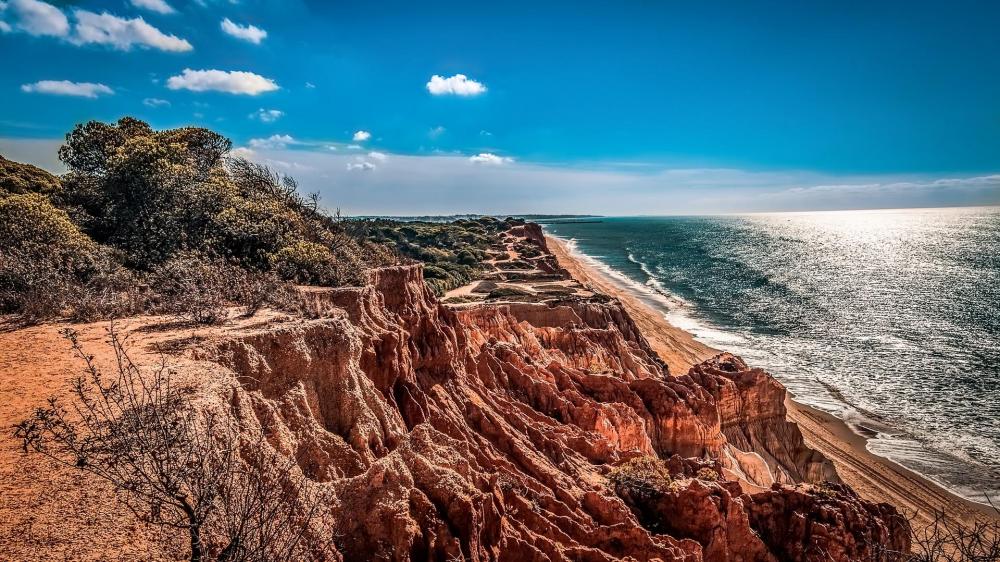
(873, 477)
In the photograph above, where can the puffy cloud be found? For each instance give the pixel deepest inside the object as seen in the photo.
(231, 82)
(436, 132)
(490, 159)
(362, 136)
(158, 6)
(459, 85)
(155, 102)
(273, 142)
(248, 32)
(267, 115)
(67, 88)
(122, 33)
(380, 156)
(34, 18)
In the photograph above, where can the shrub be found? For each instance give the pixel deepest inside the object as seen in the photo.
(507, 292)
(707, 474)
(194, 287)
(17, 178)
(434, 272)
(44, 258)
(112, 293)
(641, 477)
(179, 467)
(306, 262)
(466, 257)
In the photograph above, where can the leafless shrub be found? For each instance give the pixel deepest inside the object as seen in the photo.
(179, 467)
(947, 540)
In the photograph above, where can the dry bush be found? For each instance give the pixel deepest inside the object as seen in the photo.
(707, 474)
(198, 288)
(946, 540)
(178, 467)
(641, 477)
(191, 286)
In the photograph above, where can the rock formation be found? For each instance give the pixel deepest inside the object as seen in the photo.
(488, 433)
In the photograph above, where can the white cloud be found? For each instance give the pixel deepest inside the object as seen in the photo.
(155, 102)
(232, 82)
(34, 18)
(353, 147)
(158, 6)
(4, 26)
(267, 115)
(436, 132)
(273, 142)
(459, 85)
(67, 88)
(380, 156)
(248, 32)
(489, 158)
(122, 33)
(362, 136)
(242, 152)
(310, 85)
(360, 165)
(485, 133)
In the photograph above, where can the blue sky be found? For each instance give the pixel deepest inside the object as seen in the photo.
(642, 107)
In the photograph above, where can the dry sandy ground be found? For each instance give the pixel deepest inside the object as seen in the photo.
(873, 477)
(49, 512)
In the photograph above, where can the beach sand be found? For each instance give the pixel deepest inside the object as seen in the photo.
(873, 477)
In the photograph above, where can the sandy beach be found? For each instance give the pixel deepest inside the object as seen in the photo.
(874, 477)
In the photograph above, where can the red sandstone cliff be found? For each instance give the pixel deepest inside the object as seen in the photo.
(488, 433)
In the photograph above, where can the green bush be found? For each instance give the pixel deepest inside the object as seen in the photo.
(434, 272)
(145, 207)
(507, 292)
(466, 257)
(17, 178)
(44, 258)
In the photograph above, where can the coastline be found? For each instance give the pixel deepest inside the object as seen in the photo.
(874, 477)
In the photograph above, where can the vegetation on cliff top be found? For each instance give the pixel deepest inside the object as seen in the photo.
(454, 253)
(170, 221)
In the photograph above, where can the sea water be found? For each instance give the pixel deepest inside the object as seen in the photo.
(888, 319)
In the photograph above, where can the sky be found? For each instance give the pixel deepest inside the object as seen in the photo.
(643, 107)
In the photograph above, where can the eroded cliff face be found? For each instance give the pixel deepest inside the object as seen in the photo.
(487, 433)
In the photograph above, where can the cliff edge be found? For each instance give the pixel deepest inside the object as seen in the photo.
(514, 431)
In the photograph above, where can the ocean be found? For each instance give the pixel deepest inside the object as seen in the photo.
(888, 319)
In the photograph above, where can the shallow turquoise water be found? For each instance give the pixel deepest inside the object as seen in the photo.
(888, 319)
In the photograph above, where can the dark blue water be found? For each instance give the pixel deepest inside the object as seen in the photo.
(887, 319)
